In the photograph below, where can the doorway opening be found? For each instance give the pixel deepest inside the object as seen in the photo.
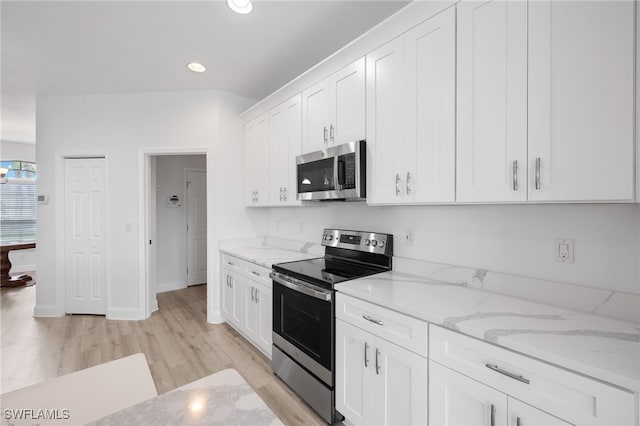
(176, 223)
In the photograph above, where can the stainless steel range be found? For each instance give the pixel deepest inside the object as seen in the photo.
(304, 312)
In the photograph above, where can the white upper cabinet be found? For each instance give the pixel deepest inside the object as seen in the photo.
(431, 110)
(256, 168)
(492, 101)
(385, 122)
(411, 115)
(581, 100)
(285, 143)
(333, 110)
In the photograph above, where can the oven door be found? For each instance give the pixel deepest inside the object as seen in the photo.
(303, 324)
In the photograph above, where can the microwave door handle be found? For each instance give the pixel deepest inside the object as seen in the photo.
(336, 173)
(341, 171)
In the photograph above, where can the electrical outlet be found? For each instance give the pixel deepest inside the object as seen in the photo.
(408, 237)
(564, 250)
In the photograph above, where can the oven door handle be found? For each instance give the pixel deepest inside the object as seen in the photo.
(301, 287)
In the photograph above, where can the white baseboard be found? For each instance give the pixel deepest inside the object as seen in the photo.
(128, 314)
(215, 317)
(44, 311)
(176, 285)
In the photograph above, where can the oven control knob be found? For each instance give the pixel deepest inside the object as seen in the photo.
(367, 242)
(374, 243)
(380, 244)
(330, 237)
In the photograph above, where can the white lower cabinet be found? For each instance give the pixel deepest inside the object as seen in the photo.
(455, 399)
(378, 382)
(247, 300)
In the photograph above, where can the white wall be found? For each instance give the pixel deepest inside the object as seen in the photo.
(171, 239)
(121, 127)
(517, 239)
(17, 151)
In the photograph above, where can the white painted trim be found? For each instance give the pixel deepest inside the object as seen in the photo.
(174, 285)
(23, 268)
(126, 314)
(59, 191)
(216, 318)
(143, 168)
(46, 311)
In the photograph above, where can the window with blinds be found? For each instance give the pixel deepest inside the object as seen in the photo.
(18, 206)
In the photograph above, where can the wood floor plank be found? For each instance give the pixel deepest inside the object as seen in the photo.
(179, 344)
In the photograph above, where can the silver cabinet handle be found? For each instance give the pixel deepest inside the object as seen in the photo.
(506, 373)
(284, 192)
(493, 415)
(280, 193)
(230, 263)
(257, 196)
(375, 321)
(257, 296)
(408, 183)
(517, 421)
(255, 273)
(397, 184)
(252, 298)
(325, 135)
(537, 172)
(377, 361)
(366, 360)
(332, 132)
(515, 175)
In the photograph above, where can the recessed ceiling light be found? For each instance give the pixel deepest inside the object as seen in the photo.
(196, 67)
(240, 6)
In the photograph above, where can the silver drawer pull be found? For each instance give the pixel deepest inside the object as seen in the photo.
(506, 373)
(375, 321)
(255, 273)
(377, 361)
(230, 263)
(493, 415)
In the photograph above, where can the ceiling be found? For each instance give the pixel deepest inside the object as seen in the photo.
(91, 47)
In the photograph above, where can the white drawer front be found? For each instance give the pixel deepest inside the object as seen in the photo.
(568, 395)
(232, 262)
(258, 273)
(405, 331)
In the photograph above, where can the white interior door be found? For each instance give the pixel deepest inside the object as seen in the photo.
(85, 236)
(196, 227)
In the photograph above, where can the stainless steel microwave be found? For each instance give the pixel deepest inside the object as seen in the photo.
(334, 173)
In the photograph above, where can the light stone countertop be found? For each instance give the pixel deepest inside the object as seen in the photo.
(223, 398)
(265, 255)
(603, 348)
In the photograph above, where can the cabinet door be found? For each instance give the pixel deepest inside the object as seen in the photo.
(293, 136)
(521, 414)
(492, 101)
(256, 168)
(430, 107)
(581, 100)
(348, 104)
(316, 116)
(264, 306)
(227, 295)
(385, 123)
(401, 390)
(237, 290)
(354, 378)
(457, 400)
(250, 310)
(250, 144)
(277, 155)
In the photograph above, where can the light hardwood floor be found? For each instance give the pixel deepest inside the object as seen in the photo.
(179, 344)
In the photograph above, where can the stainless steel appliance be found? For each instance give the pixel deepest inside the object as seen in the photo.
(303, 354)
(335, 173)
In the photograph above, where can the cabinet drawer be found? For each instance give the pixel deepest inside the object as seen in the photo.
(258, 273)
(568, 395)
(405, 331)
(232, 262)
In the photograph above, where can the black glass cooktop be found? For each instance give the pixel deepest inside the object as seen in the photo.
(326, 271)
